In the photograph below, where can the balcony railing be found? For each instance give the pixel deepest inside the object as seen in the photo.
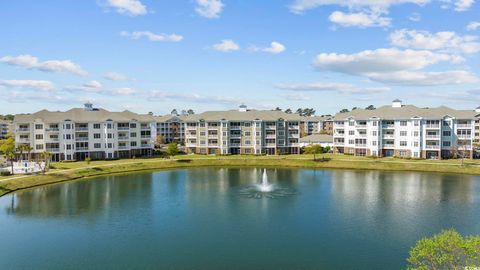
(388, 126)
(434, 147)
(24, 140)
(464, 126)
(146, 145)
(123, 138)
(123, 128)
(271, 127)
(81, 139)
(360, 145)
(338, 143)
(123, 147)
(235, 145)
(82, 148)
(24, 129)
(464, 136)
(53, 149)
(389, 145)
(437, 137)
(432, 125)
(52, 129)
(81, 129)
(145, 136)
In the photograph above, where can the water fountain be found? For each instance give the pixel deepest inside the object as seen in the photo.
(265, 189)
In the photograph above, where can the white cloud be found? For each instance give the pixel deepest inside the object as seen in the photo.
(381, 61)
(209, 8)
(472, 26)
(31, 62)
(114, 76)
(408, 78)
(415, 17)
(343, 88)
(463, 5)
(424, 40)
(226, 45)
(23, 97)
(93, 84)
(124, 91)
(359, 19)
(275, 48)
(300, 6)
(129, 7)
(152, 36)
(194, 98)
(29, 84)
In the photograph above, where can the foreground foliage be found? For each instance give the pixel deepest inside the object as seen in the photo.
(447, 250)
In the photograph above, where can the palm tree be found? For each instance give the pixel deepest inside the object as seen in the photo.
(29, 150)
(46, 157)
(10, 156)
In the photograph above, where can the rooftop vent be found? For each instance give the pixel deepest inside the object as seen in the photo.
(397, 103)
(88, 106)
(242, 108)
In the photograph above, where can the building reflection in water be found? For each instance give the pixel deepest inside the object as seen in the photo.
(83, 199)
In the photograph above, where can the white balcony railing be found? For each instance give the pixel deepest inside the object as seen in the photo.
(432, 125)
(432, 147)
(81, 139)
(53, 149)
(436, 137)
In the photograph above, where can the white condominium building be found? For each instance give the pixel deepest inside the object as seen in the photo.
(318, 124)
(405, 131)
(171, 128)
(243, 131)
(5, 128)
(89, 132)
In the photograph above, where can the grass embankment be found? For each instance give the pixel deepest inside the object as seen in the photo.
(76, 170)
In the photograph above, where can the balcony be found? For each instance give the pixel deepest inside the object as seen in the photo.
(270, 136)
(389, 136)
(464, 136)
(464, 126)
(81, 139)
(270, 127)
(123, 147)
(235, 127)
(384, 126)
(235, 145)
(296, 135)
(360, 126)
(81, 129)
(123, 138)
(360, 145)
(389, 145)
(53, 150)
(24, 129)
(52, 139)
(52, 129)
(145, 136)
(434, 137)
(82, 148)
(123, 128)
(435, 126)
(146, 145)
(432, 147)
(338, 143)
(362, 135)
(27, 140)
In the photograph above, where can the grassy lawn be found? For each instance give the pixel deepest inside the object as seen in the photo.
(65, 171)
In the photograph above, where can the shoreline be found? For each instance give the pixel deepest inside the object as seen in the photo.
(65, 172)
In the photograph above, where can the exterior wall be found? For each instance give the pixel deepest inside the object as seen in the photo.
(243, 137)
(413, 138)
(6, 127)
(98, 140)
(172, 131)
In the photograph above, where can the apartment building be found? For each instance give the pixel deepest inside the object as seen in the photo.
(6, 127)
(86, 132)
(318, 124)
(171, 128)
(243, 131)
(406, 131)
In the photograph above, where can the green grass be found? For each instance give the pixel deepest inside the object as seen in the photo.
(66, 171)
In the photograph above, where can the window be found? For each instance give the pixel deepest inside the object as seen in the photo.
(446, 133)
(374, 143)
(415, 133)
(374, 133)
(38, 126)
(403, 143)
(96, 126)
(247, 142)
(247, 124)
(109, 145)
(96, 135)
(109, 125)
(133, 135)
(68, 136)
(110, 135)
(97, 145)
(403, 153)
(446, 123)
(39, 147)
(133, 144)
(351, 141)
(68, 147)
(446, 143)
(351, 123)
(202, 133)
(133, 125)
(39, 137)
(415, 144)
(403, 133)
(247, 133)
(403, 123)
(416, 123)
(351, 132)
(68, 126)
(375, 123)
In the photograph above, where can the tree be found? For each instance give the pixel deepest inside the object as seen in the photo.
(354, 108)
(299, 111)
(344, 110)
(447, 250)
(313, 149)
(160, 140)
(27, 148)
(190, 112)
(289, 111)
(460, 150)
(7, 147)
(370, 107)
(46, 156)
(174, 112)
(172, 149)
(278, 109)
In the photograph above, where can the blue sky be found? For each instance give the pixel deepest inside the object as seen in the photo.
(156, 55)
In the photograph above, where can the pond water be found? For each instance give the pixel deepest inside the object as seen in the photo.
(206, 218)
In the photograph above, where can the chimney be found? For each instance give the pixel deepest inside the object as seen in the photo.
(397, 103)
(242, 108)
(88, 106)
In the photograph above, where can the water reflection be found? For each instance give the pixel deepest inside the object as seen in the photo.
(83, 198)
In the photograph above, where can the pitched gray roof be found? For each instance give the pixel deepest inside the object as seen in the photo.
(407, 112)
(250, 115)
(80, 115)
(317, 138)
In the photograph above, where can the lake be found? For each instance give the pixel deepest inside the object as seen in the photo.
(208, 218)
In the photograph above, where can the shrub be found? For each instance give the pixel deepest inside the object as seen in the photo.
(5, 173)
